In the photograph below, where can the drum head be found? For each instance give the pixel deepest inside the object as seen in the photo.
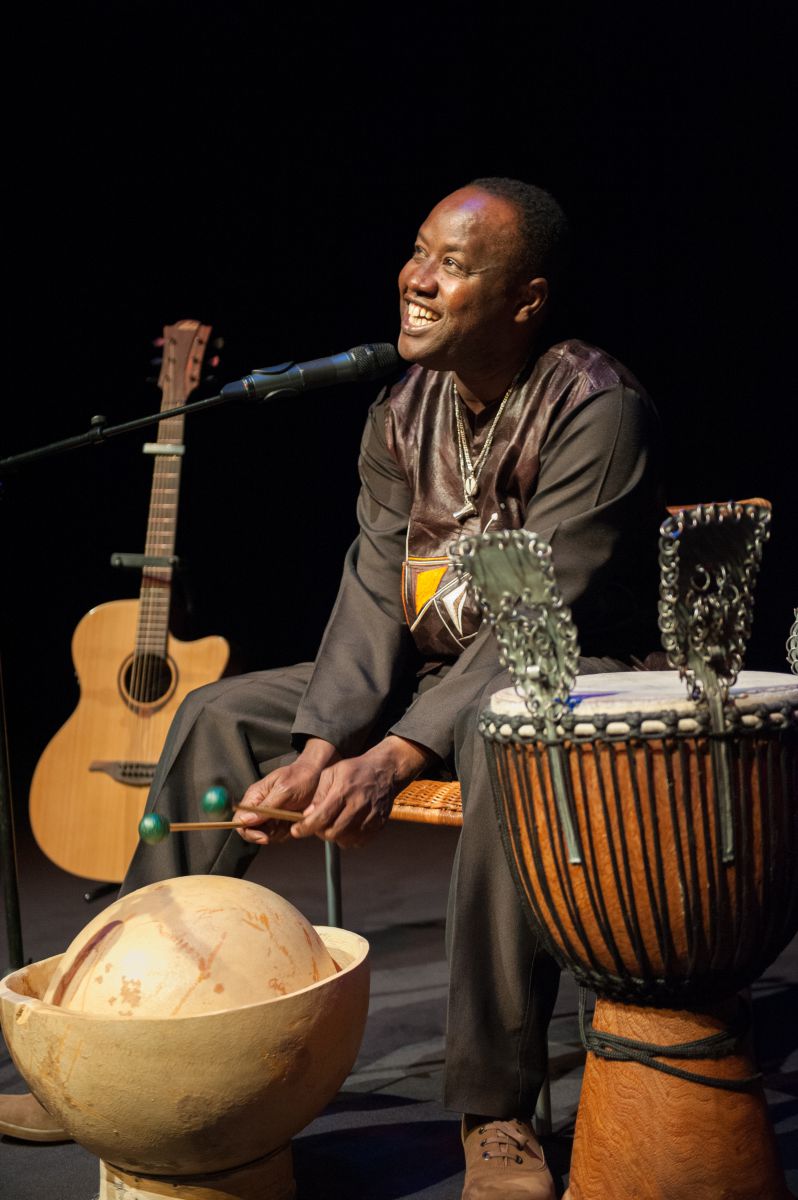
(647, 702)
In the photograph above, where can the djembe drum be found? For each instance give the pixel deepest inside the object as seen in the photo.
(652, 835)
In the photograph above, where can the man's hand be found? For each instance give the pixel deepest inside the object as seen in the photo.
(353, 797)
(292, 787)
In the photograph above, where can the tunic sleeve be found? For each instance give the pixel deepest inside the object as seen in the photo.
(367, 656)
(598, 502)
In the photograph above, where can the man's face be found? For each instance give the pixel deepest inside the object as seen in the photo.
(460, 292)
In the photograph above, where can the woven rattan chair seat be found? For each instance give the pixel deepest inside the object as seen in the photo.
(429, 802)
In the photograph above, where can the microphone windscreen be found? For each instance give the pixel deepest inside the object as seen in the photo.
(373, 360)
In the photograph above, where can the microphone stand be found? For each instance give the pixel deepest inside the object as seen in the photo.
(100, 432)
(97, 433)
(8, 850)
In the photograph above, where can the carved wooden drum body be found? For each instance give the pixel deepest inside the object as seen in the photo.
(656, 861)
(665, 892)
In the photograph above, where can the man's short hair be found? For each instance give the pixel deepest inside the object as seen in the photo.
(543, 226)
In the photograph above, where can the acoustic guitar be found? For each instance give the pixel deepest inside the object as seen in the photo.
(90, 785)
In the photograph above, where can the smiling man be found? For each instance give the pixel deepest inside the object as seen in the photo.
(468, 302)
(488, 428)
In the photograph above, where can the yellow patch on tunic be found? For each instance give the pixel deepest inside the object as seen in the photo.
(427, 585)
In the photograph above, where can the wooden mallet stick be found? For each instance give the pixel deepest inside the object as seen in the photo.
(154, 828)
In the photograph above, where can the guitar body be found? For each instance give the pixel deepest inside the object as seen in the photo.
(83, 814)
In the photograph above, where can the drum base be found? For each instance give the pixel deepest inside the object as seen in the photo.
(644, 1135)
(269, 1178)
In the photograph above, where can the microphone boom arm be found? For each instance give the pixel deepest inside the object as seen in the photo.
(361, 363)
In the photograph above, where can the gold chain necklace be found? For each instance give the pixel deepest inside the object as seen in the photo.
(469, 471)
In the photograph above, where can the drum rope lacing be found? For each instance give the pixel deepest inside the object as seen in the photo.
(526, 727)
(657, 969)
(718, 1045)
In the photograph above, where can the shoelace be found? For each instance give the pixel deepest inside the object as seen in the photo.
(502, 1135)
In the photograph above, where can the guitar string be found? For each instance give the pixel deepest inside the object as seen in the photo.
(141, 649)
(169, 482)
(166, 472)
(143, 662)
(151, 659)
(154, 637)
(152, 646)
(140, 661)
(169, 474)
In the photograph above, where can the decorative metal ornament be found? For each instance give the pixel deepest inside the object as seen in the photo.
(468, 510)
(510, 574)
(792, 645)
(709, 561)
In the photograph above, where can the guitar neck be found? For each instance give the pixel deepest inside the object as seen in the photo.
(184, 348)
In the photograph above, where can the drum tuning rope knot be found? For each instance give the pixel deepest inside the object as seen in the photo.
(649, 1054)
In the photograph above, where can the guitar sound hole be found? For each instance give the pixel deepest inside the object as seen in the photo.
(148, 677)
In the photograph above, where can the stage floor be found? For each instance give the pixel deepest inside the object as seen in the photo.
(386, 1136)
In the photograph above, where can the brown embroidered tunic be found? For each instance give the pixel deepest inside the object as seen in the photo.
(574, 458)
(421, 434)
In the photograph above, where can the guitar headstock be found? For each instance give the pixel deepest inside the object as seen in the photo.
(185, 345)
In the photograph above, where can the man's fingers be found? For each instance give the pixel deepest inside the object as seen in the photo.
(285, 788)
(257, 837)
(337, 807)
(255, 794)
(349, 822)
(254, 826)
(317, 816)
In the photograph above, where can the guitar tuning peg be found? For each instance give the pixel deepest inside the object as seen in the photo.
(156, 362)
(217, 343)
(214, 361)
(159, 341)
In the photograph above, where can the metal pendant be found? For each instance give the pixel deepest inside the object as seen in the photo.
(471, 487)
(468, 510)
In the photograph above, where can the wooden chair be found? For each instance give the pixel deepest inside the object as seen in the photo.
(425, 802)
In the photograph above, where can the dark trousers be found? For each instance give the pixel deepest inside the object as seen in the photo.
(502, 987)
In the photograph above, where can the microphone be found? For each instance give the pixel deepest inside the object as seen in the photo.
(362, 362)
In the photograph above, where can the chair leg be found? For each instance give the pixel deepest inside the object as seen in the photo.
(332, 868)
(543, 1109)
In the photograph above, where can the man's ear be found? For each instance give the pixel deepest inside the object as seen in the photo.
(534, 295)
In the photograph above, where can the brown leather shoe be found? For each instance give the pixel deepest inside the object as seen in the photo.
(22, 1116)
(504, 1161)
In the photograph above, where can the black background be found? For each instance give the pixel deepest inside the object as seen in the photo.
(265, 172)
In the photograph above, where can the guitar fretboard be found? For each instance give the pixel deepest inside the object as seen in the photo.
(184, 348)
